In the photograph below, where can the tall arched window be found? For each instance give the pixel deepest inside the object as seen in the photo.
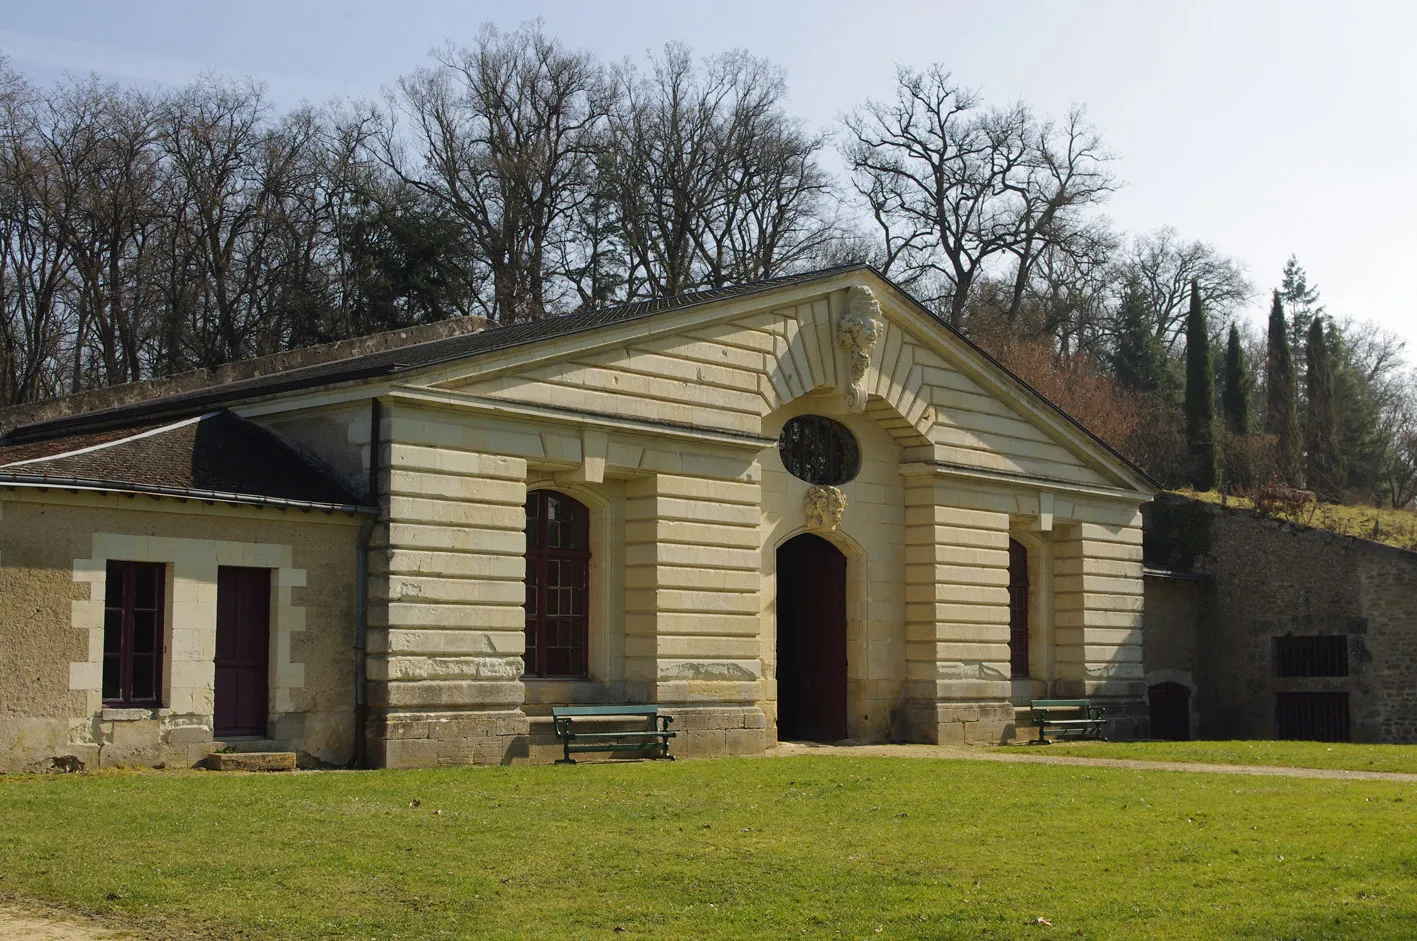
(557, 576)
(1018, 610)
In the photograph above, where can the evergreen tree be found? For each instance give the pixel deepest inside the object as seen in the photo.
(1139, 361)
(1200, 399)
(1363, 442)
(1281, 411)
(1324, 463)
(1300, 300)
(1235, 398)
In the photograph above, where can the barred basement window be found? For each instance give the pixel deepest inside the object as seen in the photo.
(132, 634)
(1311, 655)
(1315, 717)
(818, 450)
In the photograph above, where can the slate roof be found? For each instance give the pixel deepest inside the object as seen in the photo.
(399, 359)
(387, 362)
(218, 456)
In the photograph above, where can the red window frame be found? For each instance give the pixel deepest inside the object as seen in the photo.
(557, 586)
(133, 633)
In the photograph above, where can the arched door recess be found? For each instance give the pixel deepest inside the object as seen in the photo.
(811, 640)
(1170, 711)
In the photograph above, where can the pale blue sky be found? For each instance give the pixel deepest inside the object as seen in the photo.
(1266, 128)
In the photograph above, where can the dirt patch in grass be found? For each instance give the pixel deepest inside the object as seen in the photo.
(17, 925)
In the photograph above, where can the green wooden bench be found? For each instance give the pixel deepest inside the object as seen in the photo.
(1076, 718)
(652, 742)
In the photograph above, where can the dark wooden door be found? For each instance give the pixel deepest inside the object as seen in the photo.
(243, 645)
(1170, 712)
(811, 641)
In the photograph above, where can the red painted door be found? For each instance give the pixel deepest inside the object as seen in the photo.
(811, 640)
(243, 645)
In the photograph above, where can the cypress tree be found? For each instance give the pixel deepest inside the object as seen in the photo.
(1200, 399)
(1324, 464)
(1281, 412)
(1139, 361)
(1235, 398)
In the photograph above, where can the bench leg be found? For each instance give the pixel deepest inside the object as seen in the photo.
(566, 758)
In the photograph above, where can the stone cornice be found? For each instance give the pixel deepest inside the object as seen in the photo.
(1006, 479)
(551, 414)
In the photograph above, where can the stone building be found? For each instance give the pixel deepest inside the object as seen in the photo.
(1260, 628)
(802, 508)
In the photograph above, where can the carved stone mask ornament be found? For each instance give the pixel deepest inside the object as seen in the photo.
(823, 507)
(858, 332)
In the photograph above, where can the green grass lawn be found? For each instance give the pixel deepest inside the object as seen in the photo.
(1335, 755)
(814, 847)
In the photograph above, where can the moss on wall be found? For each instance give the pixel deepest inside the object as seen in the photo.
(1178, 532)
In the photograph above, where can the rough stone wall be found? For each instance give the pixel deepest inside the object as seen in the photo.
(51, 633)
(1267, 579)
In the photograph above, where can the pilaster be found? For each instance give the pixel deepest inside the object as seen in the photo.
(957, 615)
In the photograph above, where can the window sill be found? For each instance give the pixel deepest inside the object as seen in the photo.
(553, 691)
(130, 713)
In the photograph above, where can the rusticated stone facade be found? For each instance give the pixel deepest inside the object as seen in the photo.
(1262, 579)
(665, 430)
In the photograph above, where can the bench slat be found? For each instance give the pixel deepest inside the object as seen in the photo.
(564, 711)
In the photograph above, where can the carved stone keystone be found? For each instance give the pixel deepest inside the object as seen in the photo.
(858, 332)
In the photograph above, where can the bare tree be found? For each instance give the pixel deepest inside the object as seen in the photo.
(103, 141)
(709, 180)
(957, 190)
(1165, 265)
(503, 134)
(36, 229)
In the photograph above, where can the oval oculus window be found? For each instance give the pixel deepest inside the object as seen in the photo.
(819, 450)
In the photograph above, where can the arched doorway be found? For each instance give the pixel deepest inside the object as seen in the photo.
(1170, 711)
(811, 640)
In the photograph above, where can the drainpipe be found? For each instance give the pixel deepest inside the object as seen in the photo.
(361, 597)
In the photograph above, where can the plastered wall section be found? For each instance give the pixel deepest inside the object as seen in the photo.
(53, 560)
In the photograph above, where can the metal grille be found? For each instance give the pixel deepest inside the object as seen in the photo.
(1317, 717)
(1311, 655)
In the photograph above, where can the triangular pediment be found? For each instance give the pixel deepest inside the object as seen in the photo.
(728, 364)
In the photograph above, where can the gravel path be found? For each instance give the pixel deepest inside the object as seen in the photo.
(30, 926)
(787, 749)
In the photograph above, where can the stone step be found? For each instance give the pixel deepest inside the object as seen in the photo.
(246, 744)
(252, 761)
